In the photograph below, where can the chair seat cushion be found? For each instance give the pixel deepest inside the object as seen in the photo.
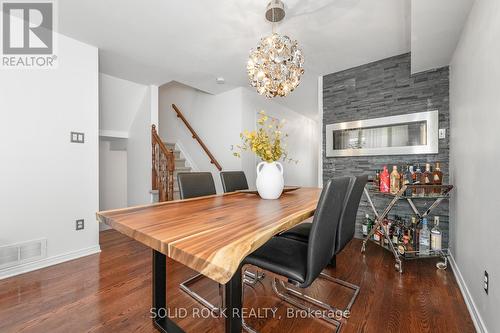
(282, 256)
(299, 233)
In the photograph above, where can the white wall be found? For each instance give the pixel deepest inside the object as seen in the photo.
(119, 101)
(139, 153)
(302, 142)
(112, 176)
(216, 119)
(219, 120)
(46, 182)
(126, 108)
(475, 157)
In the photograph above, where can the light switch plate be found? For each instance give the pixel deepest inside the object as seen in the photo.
(77, 137)
(442, 133)
(80, 224)
(486, 282)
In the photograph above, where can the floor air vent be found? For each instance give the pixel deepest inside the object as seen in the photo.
(20, 253)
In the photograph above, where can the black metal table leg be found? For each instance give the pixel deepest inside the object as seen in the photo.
(233, 296)
(161, 321)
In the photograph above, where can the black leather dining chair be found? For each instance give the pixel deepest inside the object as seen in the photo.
(233, 181)
(193, 185)
(344, 234)
(302, 262)
(236, 181)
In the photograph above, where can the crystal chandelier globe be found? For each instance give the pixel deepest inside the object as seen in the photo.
(276, 65)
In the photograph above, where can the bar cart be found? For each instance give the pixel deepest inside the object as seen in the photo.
(438, 193)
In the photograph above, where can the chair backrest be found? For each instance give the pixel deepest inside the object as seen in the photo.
(195, 184)
(233, 181)
(324, 226)
(347, 224)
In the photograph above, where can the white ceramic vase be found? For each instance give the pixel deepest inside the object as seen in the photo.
(270, 181)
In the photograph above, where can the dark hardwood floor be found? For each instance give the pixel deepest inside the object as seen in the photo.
(111, 292)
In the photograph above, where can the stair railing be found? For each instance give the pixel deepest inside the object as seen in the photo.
(163, 166)
(196, 137)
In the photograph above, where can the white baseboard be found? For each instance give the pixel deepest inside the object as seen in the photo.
(471, 306)
(32, 266)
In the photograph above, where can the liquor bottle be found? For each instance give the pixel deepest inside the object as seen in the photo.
(408, 180)
(385, 182)
(365, 225)
(377, 236)
(414, 232)
(405, 245)
(437, 178)
(418, 191)
(426, 179)
(436, 236)
(409, 246)
(424, 239)
(402, 174)
(387, 228)
(414, 175)
(395, 180)
(395, 234)
(377, 179)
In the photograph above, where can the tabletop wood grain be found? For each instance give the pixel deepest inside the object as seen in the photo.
(212, 234)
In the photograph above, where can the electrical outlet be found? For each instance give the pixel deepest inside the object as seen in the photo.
(442, 133)
(80, 224)
(486, 282)
(77, 137)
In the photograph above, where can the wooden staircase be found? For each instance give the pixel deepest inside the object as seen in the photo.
(167, 162)
(180, 166)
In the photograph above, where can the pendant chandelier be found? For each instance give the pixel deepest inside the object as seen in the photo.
(277, 63)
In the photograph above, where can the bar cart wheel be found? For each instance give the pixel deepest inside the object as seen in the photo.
(443, 264)
(363, 247)
(398, 266)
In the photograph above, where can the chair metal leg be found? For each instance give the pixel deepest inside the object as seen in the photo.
(259, 275)
(184, 287)
(321, 304)
(312, 313)
(250, 278)
(345, 284)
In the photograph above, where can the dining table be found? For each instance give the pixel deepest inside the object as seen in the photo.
(212, 235)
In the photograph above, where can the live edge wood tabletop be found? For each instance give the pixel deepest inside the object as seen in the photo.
(212, 235)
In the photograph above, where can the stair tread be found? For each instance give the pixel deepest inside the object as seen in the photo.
(156, 191)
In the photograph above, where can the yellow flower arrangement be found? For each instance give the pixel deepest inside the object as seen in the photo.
(266, 142)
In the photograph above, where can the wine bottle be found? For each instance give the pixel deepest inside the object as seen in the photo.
(414, 232)
(377, 179)
(418, 191)
(365, 224)
(409, 181)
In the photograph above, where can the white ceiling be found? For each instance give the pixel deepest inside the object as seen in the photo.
(195, 41)
(436, 26)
